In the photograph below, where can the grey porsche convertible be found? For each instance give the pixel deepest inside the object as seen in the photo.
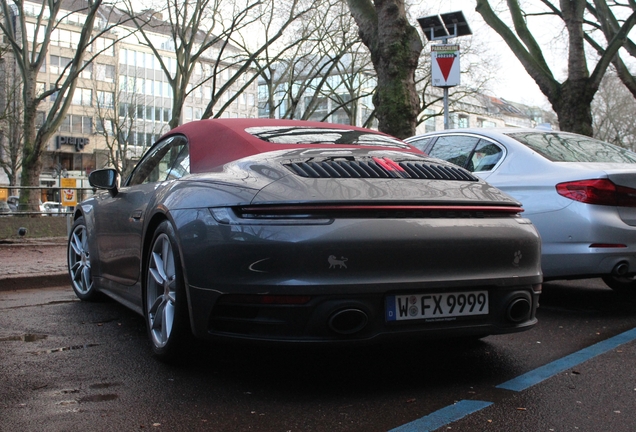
(292, 231)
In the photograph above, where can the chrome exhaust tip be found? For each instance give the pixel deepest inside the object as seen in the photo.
(518, 310)
(348, 321)
(621, 269)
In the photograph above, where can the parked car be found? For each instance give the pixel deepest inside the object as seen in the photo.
(52, 208)
(4, 208)
(12, 201)
(291, 231)
(579, 192)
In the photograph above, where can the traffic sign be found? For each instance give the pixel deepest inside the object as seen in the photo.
(445, 65)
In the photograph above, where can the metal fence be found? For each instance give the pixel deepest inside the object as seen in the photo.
(51, 202)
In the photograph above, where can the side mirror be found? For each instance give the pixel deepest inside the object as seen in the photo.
(104, 179)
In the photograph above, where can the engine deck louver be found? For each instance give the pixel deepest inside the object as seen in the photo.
(379, 168)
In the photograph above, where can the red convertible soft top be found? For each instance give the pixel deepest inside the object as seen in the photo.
(215, 142)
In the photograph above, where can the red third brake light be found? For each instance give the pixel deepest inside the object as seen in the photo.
(598, 191)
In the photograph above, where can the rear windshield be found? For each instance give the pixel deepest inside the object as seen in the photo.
(565, 147)
(313, 135)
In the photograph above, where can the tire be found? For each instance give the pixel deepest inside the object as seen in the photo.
(166, 309)
(79, 262)
(621, 284)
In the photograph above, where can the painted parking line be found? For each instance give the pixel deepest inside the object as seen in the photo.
(463, 408)
(443, 416)
(544, 372)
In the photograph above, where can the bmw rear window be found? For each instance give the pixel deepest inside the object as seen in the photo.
(564, 147)
(314, 135)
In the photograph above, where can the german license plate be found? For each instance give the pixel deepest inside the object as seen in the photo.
(434, 306)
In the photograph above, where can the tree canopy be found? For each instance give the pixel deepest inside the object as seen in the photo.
(572, 97)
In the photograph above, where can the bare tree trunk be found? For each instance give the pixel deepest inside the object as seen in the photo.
(395, 47)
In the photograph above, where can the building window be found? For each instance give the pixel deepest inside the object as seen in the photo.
(66, 124)
(482, 123)
(30, 27)
(149, 60)
(105, 46)
(75, 39)
(123, 56)
(462, 121)
(87, 71)
(104, 126)
(105, 99)
(77, 124)
(130, 58)
(104, 72)
(149, 84)
(123, 110)
(58, 64)
(83, 97)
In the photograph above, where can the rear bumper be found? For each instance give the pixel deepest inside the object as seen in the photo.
(585, 240)
(347, 268)
(340, 318)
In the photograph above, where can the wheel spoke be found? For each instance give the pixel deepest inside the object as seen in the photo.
(157, 323)
(77, 244)
(152, 310)
(156, 276)
(84, 240)
(166, 254)
(86, 278)
(76, 269)
(168, 319)
(172, 298)
(158, 272)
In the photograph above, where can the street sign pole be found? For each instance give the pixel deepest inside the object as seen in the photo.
(445, 70)
(446, 116)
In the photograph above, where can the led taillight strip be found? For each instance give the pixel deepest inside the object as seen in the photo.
(279, 209)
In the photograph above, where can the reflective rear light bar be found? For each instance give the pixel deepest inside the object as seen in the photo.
(607, 245)
(330, 208)
(256, 299)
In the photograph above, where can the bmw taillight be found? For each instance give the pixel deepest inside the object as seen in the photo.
(598, 191)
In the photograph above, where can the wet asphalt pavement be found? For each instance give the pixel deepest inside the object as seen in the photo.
(67, 365)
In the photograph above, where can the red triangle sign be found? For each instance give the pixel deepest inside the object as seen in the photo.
(445, 65)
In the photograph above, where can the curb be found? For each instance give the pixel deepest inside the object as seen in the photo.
(34, 282)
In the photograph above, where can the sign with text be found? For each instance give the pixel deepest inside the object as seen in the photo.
(445, 65)
(79, 143)
(69, 194)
